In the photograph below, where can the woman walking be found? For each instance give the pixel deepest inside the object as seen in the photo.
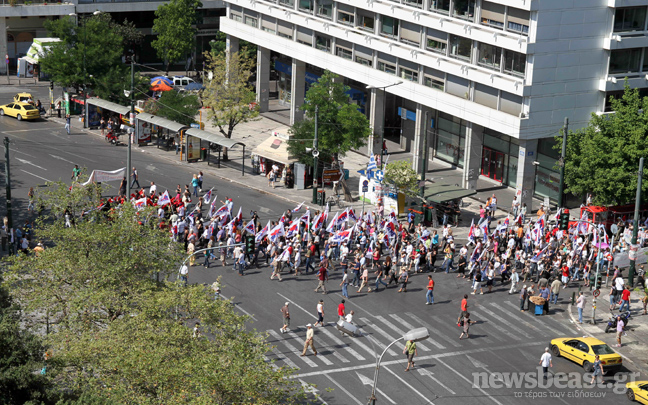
(466, 326)
(403, 279)
(410, 351)
(195, 184)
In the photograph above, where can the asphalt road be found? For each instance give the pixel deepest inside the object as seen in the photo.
(448, 371)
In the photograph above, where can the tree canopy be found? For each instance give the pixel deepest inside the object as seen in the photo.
(401, 175)
(341, 127)
(603, 157)
(176, 106)
(174, 25)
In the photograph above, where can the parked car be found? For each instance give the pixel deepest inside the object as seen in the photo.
(20, 110)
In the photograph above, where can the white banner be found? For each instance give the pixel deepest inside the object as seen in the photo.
(622, 260)
(100, 176)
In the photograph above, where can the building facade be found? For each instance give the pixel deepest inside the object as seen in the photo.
(488, 82)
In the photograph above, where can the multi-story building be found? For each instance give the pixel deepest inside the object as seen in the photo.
(489, 81)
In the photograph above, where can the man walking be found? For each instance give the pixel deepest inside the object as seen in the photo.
(555, 290)
(429, 297)
(285, 312)
(410, 352)
(545, 362)
(341, 310)
(322, 275)
(67, 123)
(619, 330)
(309, 340)
(625, 299)
(135, 178)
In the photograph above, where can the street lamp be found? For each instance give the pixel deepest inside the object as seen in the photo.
(382, 133)
(85, 36)
(415, 335)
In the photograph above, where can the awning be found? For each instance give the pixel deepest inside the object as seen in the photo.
(213, 138)
(276, 149)
(161, 122)
(38, 48)
(440, 193)
(120, 109)
(30, 60)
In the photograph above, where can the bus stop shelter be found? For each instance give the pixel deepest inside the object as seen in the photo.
(98, 108)
(195, 137)
(164, 129)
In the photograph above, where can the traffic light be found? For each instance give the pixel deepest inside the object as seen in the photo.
(563, 222)
(598, 284)
(51, 85)
(250, 244)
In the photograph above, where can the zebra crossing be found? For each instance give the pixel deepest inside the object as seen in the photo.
(495, 323)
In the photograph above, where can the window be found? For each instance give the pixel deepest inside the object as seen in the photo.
(285, 29)
(464, 9)
(434, 78)
(625, 60)
(387, 67)
(269, 24)
(346, 18)
(366, 22)
(518, 20)
(323, 43)
(492, 14)
(287, 3)
(304, 36)
(325, 8)
(408, 74)
(629, 19)
(440, 6)
(489, 56)
(485, 95)
(458, 86)
(306, 5)
(251, 21)
(364, 61)
(645, 60)
(514, 62)
(363, 55)
(410, 33)
(460, 47)
(388, 26)
(343, 52)
(414, 3)
(237, 15)
(436, 41)
(510, 103)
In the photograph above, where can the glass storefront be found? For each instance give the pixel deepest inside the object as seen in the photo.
(451, 139)
(547, 178)
(499, 157)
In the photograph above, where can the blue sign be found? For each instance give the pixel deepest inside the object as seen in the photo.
(409, 115)
(365, 186)
(194, 125)
(379, 175)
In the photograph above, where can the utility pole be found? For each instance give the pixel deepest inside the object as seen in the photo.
(425, 154)
(8, 182)
(315, 155)
(132, 122)
(561, 163)
(635, 225)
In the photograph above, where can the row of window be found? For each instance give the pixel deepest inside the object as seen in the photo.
(491, 14)
(630, 19)
(633, 60)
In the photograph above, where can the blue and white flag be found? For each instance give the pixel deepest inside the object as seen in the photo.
(372, 163)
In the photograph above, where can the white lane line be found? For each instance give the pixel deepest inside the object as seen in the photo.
(380, 332)
(245, 312)
(356, 305)
(292, 348)
(505, 322)
(312, 390)
(294, 303)
(344, 390)
(495, 329)
(27, 162)
(35, 175)
(60, 158)
(470, 382)
(369, 381)
(320, 357)
(482, 338)
(427, 401)
(430, 374)
(357, 341)
(338, 342)
(14, 150)
(518, 318)
(419, 359)
(439, 335)
(399, 332)
(18, 130)
(409, 326)
(284, 358)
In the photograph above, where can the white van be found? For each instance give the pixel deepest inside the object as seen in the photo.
(181, 81)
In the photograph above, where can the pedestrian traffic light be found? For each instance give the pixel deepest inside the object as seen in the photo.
(249, 244)
(563, 221)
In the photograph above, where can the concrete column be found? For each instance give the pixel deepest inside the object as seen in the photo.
(3, 45)
(376, 119)
(263, 78)
(231, 44)
(526, 170)
(472, 156)
(421, 130)
(297, 89)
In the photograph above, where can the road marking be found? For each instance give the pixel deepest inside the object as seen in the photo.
(349, 300)
(343, 389)
(368, 381)
(35, 175)
(439, 335)
(15, 150)
(419, 359)
(495, 328)
(284, 358)
(470, 382)
(478, 364)
(320, 357)
(507, 323)
(293, 303)
(528, 324)
(380, 332)
(312, 390)
(400, 332)
(428, 373)
(409, 386)
(337, 341)
(410, 327)
(18, 130)
(27, 162)
(245, 312)
(357, 341)
(60, 158)
(292, 348)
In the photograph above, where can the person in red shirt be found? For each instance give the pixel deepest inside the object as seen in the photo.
(565, 275)
(341, 310)
(464, 308)
(322, 275)
(625, 299)
(429, 297)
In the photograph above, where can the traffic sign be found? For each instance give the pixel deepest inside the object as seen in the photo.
(379, 175)
(365, 186)
(596, 293)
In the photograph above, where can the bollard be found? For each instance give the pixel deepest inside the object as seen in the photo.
(58, 110)
(573, 298)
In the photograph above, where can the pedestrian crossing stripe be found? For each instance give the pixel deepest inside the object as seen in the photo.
(400, 332)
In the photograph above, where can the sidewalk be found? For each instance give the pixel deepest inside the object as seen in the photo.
(634, 349)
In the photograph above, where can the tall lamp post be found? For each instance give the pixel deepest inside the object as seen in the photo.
(382, 133)
(85, 72)
(415, 335)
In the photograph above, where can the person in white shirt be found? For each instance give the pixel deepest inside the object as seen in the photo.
(349, 317)
(184, 272)
(153, 188)
(545, 362)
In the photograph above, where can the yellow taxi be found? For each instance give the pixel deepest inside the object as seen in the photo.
(583, 350)
(23, 97)
(638, 391)
(20, 110)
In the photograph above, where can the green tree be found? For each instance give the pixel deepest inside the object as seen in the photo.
(341, 127)
(176, 106)
(603, 157)
(174, 25)
(228, 94)
(401, 175)
(219, 46)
